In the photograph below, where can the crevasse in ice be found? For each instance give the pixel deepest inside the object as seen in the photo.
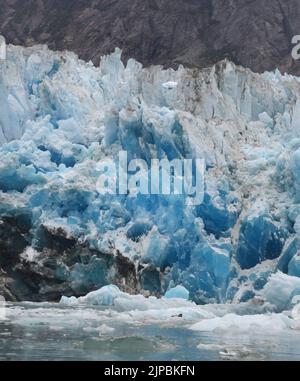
(60, 117)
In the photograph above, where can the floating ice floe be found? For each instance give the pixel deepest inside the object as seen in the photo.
(170, 85)
(232, 322)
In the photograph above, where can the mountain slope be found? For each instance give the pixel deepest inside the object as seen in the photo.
(256, 34)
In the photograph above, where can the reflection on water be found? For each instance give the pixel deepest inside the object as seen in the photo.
(35, 332)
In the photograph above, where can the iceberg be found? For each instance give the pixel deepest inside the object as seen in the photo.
(103, 297)
(178, 292)
(281, 290)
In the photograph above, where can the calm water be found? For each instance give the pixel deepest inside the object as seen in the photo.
(49, 332)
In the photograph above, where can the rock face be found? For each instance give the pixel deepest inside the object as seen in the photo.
(256, 34)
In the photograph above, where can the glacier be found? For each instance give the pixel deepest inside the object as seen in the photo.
(60, 117)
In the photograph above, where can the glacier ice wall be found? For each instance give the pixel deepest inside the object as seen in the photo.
(60, 117)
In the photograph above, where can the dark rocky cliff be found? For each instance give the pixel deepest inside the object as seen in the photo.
(253, 33)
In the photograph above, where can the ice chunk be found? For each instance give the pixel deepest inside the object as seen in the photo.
(260, 239)
(103, 297)
(294, 266)
(72, 301)
(257, 323)
(178, 292)
(295, 166)
(290, 249)
(217, 212)
(266, 119)
(30, 255)
(281, 289)
(105, 330)
(170, 85)
(157, 248)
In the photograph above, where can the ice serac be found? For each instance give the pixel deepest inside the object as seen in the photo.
(61, 117)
